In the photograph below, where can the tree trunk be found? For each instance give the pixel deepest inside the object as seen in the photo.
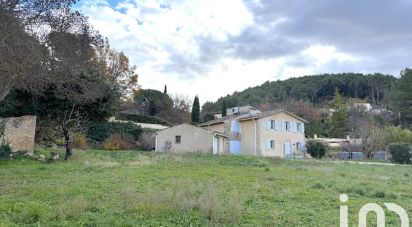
(68, 143)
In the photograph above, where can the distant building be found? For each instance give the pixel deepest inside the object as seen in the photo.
(242, 110)
(364, 107)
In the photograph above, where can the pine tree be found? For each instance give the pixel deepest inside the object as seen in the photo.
(165, 91)
(337, 122)
(196, 110)
(401, 98)
(224, 109)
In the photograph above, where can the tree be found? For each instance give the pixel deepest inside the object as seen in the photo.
(23, 57)
(371, 137)
(118, 70)
(224, 109)
(401, 97)
(196, 110)
(316, 149)
(165, 90)
(337, 121)
(181, 108)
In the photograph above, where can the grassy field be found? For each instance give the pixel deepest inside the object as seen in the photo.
(130, 188)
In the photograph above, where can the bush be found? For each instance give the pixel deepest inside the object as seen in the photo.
(100, 131)
(316, 148)
(119, 142)
(48, 132)
(401, 153)
(79, 141)
(147, 141)
(5, 150)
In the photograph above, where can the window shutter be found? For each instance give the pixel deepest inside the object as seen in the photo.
(295, 127)
(268, 124)
(303, 128)
(283, 126)
(267, 144)
(276, 125)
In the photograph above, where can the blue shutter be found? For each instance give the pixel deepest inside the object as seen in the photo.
(283, 126)
(303, 128)
(235, 126)
(268, 124)
(267, 144)
(276, 125)
(234, 147)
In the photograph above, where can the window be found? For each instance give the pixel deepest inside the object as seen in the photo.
(270, 144)
(272, 124)
(298, 127)
(287, 126)
(178, 139)
(235, 127)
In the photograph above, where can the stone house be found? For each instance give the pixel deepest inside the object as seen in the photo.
(272, 134)
(189, 138)
(19, 132)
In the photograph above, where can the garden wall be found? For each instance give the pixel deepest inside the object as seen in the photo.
(19, 132)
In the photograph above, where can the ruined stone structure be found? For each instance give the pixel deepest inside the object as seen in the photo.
(19, 132)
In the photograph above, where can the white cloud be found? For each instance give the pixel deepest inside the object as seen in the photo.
(162, 39)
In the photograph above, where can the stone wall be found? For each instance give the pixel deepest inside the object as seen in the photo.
(19, 132)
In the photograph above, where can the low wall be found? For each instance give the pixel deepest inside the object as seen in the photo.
(19, 132)
(143, 125)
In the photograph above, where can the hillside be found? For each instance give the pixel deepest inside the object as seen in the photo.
(131, 188)
(316, 89)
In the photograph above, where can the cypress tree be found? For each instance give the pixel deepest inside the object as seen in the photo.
(224, 109)
(196, 110)
(165, 91)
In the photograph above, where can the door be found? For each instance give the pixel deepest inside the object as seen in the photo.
(288, 150)
(216, 144)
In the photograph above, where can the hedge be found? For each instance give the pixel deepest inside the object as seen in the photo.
(100, 131)
(141, 119)
(316, 149)
(401, 153)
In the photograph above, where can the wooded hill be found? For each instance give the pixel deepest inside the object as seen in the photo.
(317, 89)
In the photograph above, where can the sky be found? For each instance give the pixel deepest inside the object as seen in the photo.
(212, 48)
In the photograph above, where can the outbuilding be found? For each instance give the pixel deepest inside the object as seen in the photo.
(185, 138)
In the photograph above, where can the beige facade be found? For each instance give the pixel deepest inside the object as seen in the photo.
(283, 139)
(188, 138)
(272, 134)
(19, 132)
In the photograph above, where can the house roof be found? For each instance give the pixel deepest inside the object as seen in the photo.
(214, 132)
(269, 113)
(223, 119)
(247, 116)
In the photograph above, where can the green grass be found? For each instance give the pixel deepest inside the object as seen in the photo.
(130, 188)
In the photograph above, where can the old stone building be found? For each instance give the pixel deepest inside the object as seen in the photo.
(19, 132)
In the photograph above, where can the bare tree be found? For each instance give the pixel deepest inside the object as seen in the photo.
(370, 136)
(182, 105)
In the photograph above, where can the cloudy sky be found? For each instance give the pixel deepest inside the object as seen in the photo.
(215, 47)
